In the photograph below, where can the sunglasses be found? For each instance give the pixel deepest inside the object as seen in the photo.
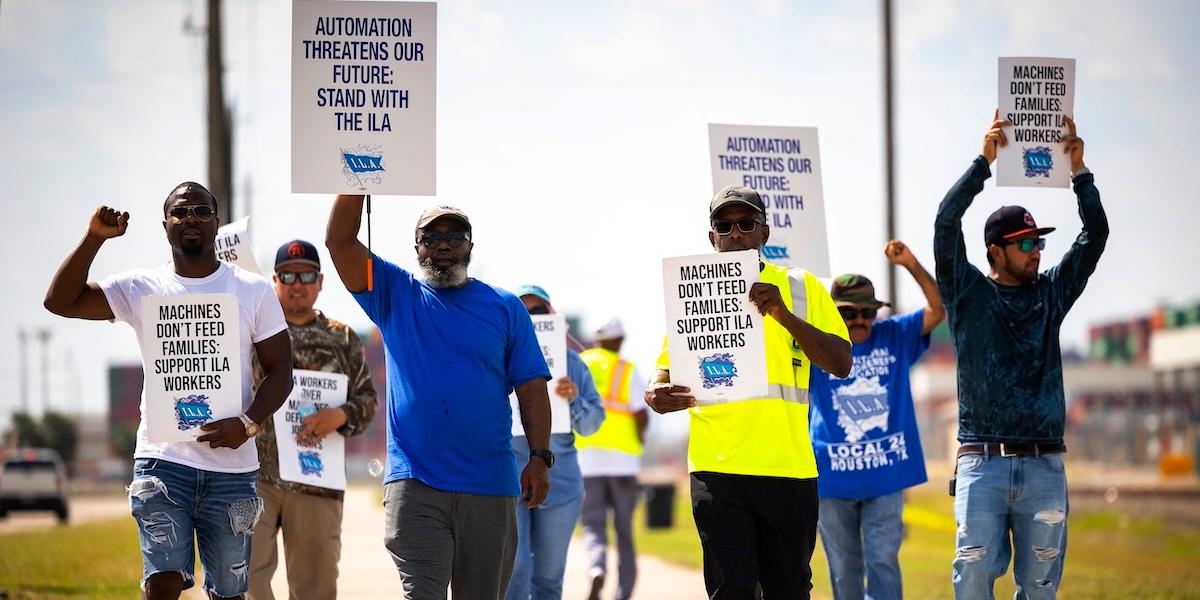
(539, 310)
(744, 226)
(290, 277)
(850, 313)
(454, 238)
(203, 213)
(1028, 244)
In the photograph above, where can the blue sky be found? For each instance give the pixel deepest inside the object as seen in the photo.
(575, 137)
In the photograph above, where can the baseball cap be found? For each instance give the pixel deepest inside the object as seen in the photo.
(434, 213)
(736, 194)
(297, 251)
(1009, 222)
(853, 289)
(610, 331)
(532, 290)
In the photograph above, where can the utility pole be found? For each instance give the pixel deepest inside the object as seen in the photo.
(43, 336)
(23, 342)
(888, 146)
(220, 130)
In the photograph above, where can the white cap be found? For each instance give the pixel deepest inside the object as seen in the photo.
(610, 331)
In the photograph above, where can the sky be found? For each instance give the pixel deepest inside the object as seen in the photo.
(575, 136)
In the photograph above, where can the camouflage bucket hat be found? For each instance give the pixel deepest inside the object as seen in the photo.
(855, 290)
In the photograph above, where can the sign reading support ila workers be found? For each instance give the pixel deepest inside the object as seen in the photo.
(551, 333)
(322, 464)
(782, 164)
(192, 363)
(233, 245)
(1036, 94)
(364, 101)
(714, 334)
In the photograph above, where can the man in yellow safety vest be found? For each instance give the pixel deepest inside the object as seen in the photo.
(610, 460)
(753, 473)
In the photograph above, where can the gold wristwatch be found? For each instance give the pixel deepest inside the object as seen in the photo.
(249, 424)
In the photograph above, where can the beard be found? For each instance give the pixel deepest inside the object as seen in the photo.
(192, 248)
(450, 277)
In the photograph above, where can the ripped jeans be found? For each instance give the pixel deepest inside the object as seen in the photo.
(170, 501)
(1024, 495)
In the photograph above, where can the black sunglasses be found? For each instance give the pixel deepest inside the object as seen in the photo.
(1026, 245)
(850, 313)
(454, 238)
(743, 225)
(203, 212)
(289, 277)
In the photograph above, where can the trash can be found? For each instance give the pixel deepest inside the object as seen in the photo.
(660, 505)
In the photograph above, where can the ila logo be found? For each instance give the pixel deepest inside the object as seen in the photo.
(192, 411)
(774, 252)
(717, 370)
(1038, 161)
(310, 464)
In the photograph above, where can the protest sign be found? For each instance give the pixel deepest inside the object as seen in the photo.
(322, 464)
(233, 245)
(714, 334)
(192, 363)
(364, 97)
(1035, 96)
(551, 333)
(782, 164)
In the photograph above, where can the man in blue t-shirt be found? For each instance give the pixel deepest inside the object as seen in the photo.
(456, 347)
(864, 433)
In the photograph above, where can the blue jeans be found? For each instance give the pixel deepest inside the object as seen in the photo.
(862, 538)
(543, 535)
(171, 502)
(1024, 495)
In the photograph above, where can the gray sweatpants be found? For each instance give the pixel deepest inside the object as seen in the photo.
(439, 539)
(621, 495)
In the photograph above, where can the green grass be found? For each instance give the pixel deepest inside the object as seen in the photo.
(1110, 554)
(96, 560)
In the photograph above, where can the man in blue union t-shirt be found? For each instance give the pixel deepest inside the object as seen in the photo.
(865, 437)
(455, 347)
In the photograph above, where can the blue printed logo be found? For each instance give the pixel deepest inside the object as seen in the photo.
(192, 411)
(362, 165)
(717, 370)
(774, 252)
(310, 464)
(1038, 161)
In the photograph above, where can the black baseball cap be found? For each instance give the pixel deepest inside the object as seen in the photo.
(297, 251)
(736, 194)
(1008, 222)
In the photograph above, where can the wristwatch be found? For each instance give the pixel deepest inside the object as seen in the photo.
(249, 424)
(545, 455)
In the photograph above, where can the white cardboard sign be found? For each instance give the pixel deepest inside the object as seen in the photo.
(364, 97)
(782, 164)
(714, 334)
(324, 464)
(1035, 95)
(233, 245)
(551, 333)
(192, 363)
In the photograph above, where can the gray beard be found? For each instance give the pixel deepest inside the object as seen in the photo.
(453, 276)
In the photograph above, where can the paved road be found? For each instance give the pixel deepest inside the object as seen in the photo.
(83, 509)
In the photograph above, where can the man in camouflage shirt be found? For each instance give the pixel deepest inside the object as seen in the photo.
(310, 517)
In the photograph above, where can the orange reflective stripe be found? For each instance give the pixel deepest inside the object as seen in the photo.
(617, 407)
(614, 382)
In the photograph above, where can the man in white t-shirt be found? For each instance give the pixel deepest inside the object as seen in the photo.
(203, 488)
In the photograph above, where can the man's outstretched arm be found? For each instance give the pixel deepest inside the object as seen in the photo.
(70, 294)
(349, 255)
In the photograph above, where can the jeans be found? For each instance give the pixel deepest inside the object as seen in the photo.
(1024, 495)
(543, 535)
(171, 502)
(862, 538)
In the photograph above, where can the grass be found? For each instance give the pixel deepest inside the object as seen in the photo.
(1110, 554)
(96, 560)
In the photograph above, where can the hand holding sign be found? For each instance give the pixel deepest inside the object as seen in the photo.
(664, 398)
(566, 389)
(995, 137)
(1073, 146)
(108, 223)
(226, 433)
(322, 423)
(766, 298)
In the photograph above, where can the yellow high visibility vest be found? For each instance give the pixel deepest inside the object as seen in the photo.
(613, 378)
(767, 436)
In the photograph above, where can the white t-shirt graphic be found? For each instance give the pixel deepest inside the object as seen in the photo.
(260, 317)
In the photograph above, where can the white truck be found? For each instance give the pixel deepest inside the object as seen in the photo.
(33, 479)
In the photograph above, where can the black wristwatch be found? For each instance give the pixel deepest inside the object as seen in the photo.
(545, 455)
